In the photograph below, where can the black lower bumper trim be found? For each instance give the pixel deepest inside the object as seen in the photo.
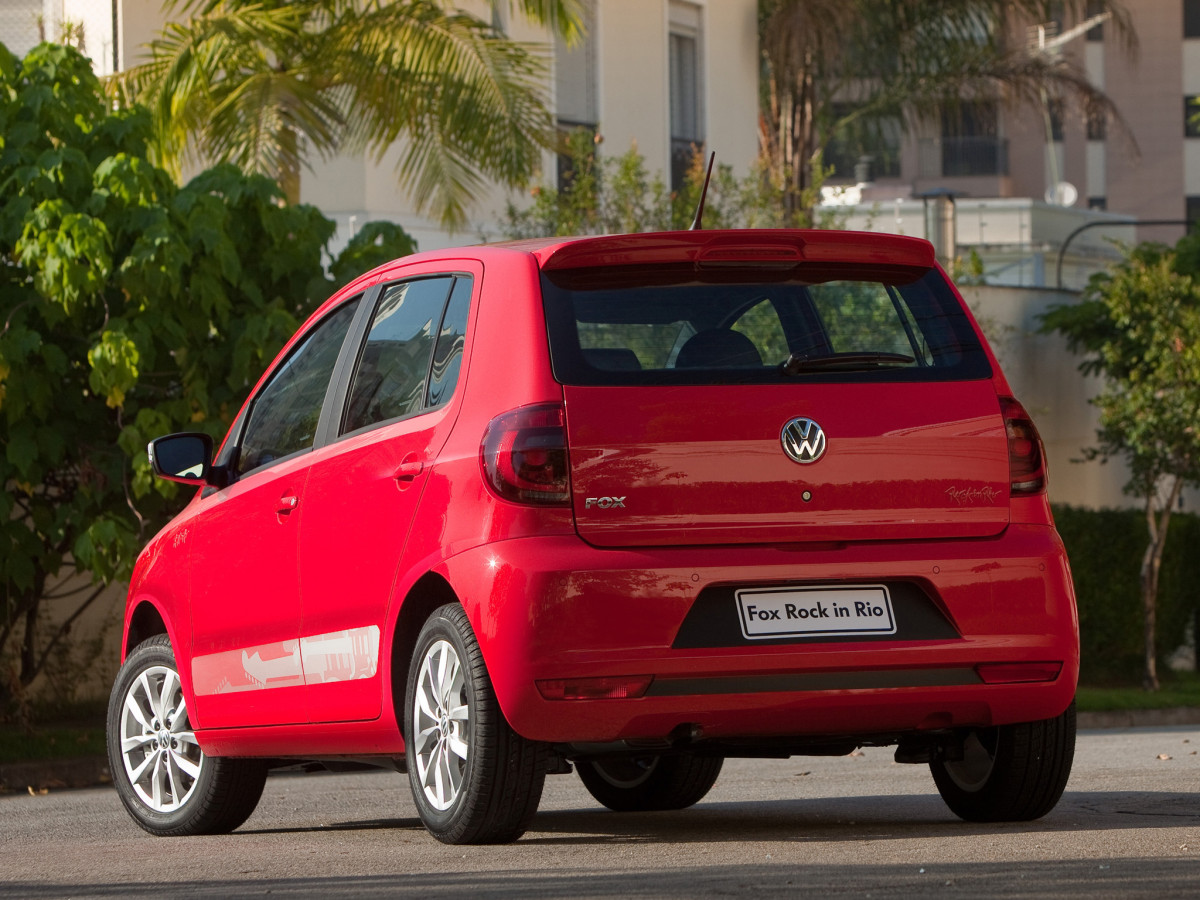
(813, 681)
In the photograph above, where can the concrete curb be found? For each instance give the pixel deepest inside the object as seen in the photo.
(92, 771)
(1140, 718)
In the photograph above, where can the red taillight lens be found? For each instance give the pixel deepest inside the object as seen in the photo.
(1018, 673)
(1026, 460)
(524, 455)
(621, 687)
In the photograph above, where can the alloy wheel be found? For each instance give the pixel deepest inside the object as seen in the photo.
(158, 747)
(441, 716)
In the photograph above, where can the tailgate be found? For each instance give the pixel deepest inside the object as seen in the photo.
(705, 464)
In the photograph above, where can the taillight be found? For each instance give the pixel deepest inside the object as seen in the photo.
(1026, 459)
(1018, 673)
(524, 455)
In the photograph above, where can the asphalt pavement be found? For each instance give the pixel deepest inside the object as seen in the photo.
(859, 825)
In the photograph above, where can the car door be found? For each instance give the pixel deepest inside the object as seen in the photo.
(245, 604)
(364, 488)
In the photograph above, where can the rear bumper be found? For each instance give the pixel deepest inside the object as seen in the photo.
(553, 608)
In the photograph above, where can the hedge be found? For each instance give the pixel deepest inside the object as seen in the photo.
(1105, 548)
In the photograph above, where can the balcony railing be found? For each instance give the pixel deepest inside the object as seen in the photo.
(956, 156)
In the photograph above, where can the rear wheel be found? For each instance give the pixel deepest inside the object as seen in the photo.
(1010, 773)
(649, 783)
(474, 780)
(163, 778)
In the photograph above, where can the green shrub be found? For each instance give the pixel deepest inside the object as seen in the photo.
(1106, 548)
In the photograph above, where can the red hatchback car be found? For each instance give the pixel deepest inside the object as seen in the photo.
(627, 505)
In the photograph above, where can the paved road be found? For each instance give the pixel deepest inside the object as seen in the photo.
(862, 826)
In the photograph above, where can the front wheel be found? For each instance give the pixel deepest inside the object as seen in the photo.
(474, 780)
(163, 778)
(1010, 773)
(649, 783)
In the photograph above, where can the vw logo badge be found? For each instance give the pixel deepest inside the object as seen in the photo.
(803, 440)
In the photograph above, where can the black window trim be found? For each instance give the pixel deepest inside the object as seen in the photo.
(333, 410)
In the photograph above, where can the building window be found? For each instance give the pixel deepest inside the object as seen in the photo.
(1193, 212)
(1054, 111)
(1054, 25)
(1097, 203)
(575, 93)
(1097, 125)
(1191, 18)
(687, 128)
(971, 142)
(1095, 8)
(1191, 115)
(864, 150)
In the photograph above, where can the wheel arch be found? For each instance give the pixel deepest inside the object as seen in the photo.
(429, 592)
(144, 622)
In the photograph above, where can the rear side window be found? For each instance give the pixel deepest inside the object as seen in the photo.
(448, 352)
(413, 350)
(816, 323)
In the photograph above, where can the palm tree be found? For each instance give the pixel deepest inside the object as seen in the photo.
(270, 85)
(832, 67)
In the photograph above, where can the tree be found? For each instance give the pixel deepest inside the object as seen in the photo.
(859, 70)
(129, 307)
(1139, 325)
(617, 195)
(269, 84)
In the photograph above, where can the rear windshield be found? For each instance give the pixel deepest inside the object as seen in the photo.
(633, 325)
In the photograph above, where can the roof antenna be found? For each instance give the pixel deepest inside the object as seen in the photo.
(696, 226)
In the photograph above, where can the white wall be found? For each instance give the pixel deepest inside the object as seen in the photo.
(1045, 377)
(632, 103)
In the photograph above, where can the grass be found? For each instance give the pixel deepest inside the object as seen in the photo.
(55, 733)
(1175, 689)
(50, 742)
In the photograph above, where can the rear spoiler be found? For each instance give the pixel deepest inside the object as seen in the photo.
(723, 248)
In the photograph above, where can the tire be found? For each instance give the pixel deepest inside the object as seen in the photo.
(649, 783)
(474, 780)
(163, 778)
(1011, 773)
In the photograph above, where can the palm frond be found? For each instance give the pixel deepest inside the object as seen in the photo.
(465, 99)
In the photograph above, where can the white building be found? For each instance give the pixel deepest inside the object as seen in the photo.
(91, 24)
(661, 74)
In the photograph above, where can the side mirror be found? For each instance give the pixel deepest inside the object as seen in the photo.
(185, 458)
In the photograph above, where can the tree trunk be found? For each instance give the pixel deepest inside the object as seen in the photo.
(1151, 566)
(28, 652)
(289, 165)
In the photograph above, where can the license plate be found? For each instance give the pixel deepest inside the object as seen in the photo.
(815, 612)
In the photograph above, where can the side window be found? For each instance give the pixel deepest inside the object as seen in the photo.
(447, 355)
(283, 418)
(393, 371)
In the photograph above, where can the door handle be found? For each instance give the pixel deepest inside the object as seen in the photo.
(407, 472)
(287, 503)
